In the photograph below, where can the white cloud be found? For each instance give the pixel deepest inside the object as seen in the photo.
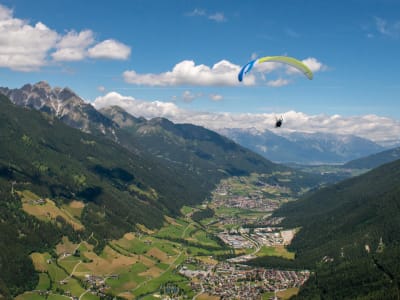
(223, 73)
(382, 130)
(110, 49)
(390, 29)
(216, 97)
(196, 12)
(218, 17)
(314, 64)
(25, 47)
(188, 96)
(139, 107)
(73, 45)
(101, 89)
(278, 82)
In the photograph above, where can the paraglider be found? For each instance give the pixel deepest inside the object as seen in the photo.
(281, 59)
(278, 122)
(297, 64)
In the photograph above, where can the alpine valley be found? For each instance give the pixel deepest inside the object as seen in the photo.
(103, 205)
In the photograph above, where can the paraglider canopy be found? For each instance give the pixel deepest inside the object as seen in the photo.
(281, 59)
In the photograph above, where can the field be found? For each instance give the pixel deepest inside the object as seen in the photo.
(136, 264)
(275, 251)
(46, 209)
(140, 263)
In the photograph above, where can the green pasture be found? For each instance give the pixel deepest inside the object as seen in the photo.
(58, 297)
(118, 285)
(30, 296)
(89, 296)
(275, 251)
(69, 263)
(44, 282)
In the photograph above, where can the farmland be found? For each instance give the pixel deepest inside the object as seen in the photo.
(147, 264)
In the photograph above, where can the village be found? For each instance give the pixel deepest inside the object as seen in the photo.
(237, 281)
(254, 200)
(241, 227)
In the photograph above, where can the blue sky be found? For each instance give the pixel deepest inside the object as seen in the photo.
(162, 53)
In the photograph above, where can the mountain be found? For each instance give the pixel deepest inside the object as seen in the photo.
(62, 103)
(116, 188)
(374, 160)
(196, 153)
(132, 178)
(349, 236)
(303, 148)
(196, 169)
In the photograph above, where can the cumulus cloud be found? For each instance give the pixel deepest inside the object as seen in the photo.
(26, 47)
(138, 107)
(382, 130)
(72, 46)
(223, 73)
(110, 49)
(23, 47)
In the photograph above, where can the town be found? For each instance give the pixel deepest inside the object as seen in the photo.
(236, 281)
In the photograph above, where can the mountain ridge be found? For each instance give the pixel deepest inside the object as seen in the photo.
(303, 148)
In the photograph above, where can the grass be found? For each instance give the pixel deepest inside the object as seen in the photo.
(47, 211)
(275, 251)
(89, 296)
(65, 246)
(287, 294)
(69, 263)
(58, 297)
(44, 282)
(75, 208)
(30, 296)
(187, 210)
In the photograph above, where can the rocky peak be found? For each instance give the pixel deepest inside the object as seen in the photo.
(66, 94)
(42, 85)
(62, 103)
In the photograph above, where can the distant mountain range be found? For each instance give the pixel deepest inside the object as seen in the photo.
(303, 148)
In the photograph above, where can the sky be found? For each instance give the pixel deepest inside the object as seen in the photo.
(180, 59)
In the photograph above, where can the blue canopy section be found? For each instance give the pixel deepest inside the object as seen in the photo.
(246, 68)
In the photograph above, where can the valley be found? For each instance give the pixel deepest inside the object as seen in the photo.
(200, 255)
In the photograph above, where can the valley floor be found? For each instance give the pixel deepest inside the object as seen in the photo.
(201, 255)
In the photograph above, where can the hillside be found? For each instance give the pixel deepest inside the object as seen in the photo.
(39, 153)
(198, 154)
(374, 160)
(350, 236)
